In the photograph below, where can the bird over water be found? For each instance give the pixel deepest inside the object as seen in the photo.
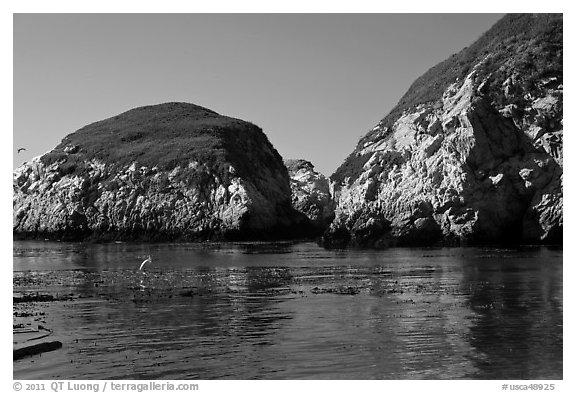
(147, 260)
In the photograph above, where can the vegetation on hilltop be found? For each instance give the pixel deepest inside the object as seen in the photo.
(293, 165)
(166, 136)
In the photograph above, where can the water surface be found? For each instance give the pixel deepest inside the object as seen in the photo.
(291, 311)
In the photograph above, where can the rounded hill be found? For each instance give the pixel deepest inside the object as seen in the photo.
(166, 136)
(173, 171)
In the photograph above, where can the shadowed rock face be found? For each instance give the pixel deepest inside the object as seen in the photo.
(478, 161)
(311, 194)
(162, 172)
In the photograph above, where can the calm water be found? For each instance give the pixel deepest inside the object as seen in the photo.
(291, 311)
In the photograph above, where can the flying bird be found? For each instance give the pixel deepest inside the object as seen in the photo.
(147, 260)
(21, 149)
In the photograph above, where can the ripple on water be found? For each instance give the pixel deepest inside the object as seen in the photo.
(293, 312)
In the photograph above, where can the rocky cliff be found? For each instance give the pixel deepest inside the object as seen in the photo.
(471, 154)
(163, 172)
(311, 194)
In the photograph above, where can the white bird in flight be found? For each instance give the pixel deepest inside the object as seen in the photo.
(147, 260)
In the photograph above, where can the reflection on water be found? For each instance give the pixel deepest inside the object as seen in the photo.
(291, 311)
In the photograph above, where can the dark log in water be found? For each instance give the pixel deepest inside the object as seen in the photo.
(36, 349)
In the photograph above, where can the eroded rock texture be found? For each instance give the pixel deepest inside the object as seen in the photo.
(311, 194)
(472, 153)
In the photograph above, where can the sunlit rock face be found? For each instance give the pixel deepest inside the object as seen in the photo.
(311, 194)
(173, 171)
(472, 154)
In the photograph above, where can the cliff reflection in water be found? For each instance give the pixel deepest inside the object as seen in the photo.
(294, 311)
(518, 307)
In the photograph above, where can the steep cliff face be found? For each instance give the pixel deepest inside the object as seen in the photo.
(311, 194)
(471, 154)
(162, 172)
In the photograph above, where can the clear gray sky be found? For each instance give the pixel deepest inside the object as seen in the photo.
(315, 83)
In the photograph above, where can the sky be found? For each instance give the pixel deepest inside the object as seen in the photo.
(315, 83)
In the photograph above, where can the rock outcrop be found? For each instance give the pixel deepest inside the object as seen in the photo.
(472, 154)
(172, 171)
(311, 194)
